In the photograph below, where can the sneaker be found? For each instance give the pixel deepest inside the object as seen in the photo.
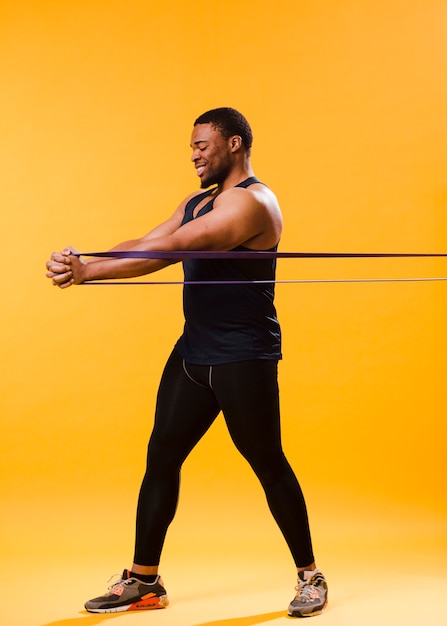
(311, 597)
(130, 594)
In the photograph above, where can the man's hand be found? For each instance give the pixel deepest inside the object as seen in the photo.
(64, 269)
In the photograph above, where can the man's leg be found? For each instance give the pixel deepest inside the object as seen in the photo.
(248, 395)
(185, 410)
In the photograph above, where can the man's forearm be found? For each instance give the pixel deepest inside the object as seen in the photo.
(110, 268)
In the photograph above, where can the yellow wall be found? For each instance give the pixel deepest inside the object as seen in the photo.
(348, 104)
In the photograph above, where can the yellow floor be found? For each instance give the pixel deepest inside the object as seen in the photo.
(204, 595)
(224, 570)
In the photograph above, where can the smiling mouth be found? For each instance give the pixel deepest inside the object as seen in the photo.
(199, 170)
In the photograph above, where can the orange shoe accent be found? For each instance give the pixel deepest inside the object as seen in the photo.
(147, 596)
(149, 601)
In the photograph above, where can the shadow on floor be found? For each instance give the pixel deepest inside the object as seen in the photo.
(89, 619)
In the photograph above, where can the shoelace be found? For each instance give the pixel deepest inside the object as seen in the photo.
(116, 580)
(120, 581)
(307, 590)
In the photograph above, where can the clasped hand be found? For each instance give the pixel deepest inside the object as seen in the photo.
(64, 268)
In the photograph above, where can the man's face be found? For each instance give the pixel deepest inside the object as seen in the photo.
(211, 155)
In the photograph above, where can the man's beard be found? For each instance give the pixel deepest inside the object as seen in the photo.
(215, 178)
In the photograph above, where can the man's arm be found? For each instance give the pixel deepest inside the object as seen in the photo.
(65, 269)
(239, 217)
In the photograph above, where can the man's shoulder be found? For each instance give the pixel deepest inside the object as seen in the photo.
(257, 194)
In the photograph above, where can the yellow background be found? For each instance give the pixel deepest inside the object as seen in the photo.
(347, 101)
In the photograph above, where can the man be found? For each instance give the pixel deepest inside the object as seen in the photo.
(226, 359)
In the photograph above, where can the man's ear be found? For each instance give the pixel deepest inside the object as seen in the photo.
(235, 143)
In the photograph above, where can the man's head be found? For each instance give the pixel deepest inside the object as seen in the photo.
(228, 122)
(221, 140)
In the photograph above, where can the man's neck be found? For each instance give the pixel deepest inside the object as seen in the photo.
(235, 177)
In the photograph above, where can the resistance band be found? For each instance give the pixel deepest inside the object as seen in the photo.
(247, 254)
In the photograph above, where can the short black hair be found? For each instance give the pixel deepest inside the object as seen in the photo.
(229, 122)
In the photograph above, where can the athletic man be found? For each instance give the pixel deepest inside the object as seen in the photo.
(225, 360)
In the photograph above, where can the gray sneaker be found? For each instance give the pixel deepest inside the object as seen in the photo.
(130, 594)
(311, 596)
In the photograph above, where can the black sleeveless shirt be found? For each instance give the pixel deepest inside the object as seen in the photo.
(228, 323)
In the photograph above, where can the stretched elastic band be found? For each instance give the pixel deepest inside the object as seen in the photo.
(255, 254)
(265, 282)
(251, 254)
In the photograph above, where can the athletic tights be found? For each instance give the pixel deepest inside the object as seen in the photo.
(189, 399)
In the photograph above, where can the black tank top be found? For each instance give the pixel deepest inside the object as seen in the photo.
(228, 323)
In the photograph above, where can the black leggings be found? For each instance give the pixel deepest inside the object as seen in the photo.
(189, 399)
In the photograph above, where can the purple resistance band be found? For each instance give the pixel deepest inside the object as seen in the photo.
(247, 254)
